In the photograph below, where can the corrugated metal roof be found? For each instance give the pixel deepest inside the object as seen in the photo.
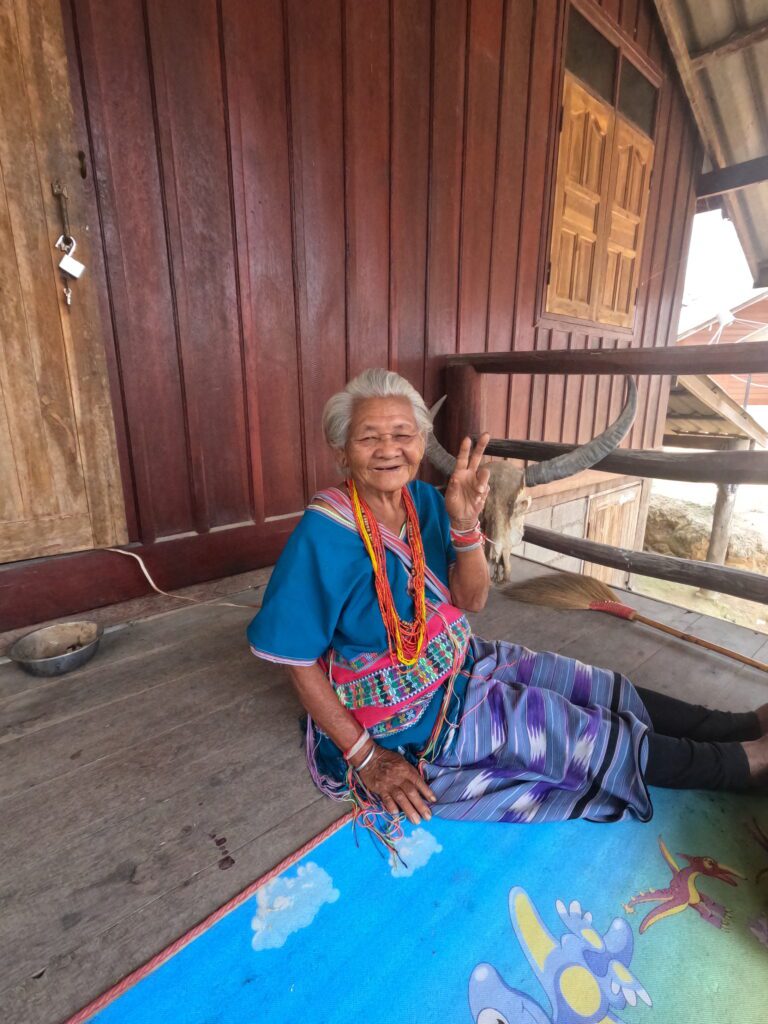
(698, 405)
(748, 321)
(729, 97)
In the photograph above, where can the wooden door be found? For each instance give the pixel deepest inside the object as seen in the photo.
(612, 519)
(59, 479)
(580, 188)
(627, 203)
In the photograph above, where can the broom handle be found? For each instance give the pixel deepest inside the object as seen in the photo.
(637, 617)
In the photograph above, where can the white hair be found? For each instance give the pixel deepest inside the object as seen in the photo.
(376, 383)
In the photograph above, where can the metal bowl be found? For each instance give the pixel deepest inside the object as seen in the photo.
(54, 650)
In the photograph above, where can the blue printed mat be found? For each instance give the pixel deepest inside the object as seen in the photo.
(572, 923)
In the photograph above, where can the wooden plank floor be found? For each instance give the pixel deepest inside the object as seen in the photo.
(141, 792)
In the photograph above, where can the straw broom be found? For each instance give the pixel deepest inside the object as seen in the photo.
(567, 590)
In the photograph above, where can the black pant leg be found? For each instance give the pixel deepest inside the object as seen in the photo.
(681, 763)
(673, 717)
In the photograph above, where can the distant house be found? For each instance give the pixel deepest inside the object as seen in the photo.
(749, 323)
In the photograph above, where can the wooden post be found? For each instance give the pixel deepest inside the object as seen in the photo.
(722, 516)
(465, 405)
(721, 523)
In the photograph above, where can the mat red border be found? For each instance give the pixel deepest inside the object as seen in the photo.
(160, 958)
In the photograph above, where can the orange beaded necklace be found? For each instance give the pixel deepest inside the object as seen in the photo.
(404, 639)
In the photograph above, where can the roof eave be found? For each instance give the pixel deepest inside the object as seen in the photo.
(705, 121)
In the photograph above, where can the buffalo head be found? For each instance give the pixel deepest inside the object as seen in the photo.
(508, 501)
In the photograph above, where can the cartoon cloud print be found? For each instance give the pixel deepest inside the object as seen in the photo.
(585, 976)
(289, 903)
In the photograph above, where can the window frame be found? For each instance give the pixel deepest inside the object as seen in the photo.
(627, 50)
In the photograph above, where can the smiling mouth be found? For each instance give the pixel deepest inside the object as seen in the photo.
(387, 469)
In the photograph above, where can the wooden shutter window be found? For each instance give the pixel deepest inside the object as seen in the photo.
(627, 204)
(580, 190)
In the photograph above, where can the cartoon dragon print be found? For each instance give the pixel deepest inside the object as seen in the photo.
(682, 891)
(585, 975)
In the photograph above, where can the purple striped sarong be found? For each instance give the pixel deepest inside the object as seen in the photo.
(542, 737)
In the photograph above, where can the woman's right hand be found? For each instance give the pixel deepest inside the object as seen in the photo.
(398, 785)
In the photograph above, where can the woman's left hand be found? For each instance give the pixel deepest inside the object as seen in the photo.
(467, 489)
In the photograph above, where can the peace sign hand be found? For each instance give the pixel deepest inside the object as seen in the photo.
(467, 489)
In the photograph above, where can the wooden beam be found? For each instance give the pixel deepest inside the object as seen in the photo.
(708, 205)
(710, 394)
(751, 357)
(728, 179)
(705, 442)
(48, 588)
(738, 40)
(697, 415)
(706, 467)
(753, 586)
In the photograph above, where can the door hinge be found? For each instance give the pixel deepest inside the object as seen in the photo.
(549, 272)
(560, 119)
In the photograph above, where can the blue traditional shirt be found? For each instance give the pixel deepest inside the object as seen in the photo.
(321, 606)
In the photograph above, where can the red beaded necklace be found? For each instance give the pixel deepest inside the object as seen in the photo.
(404, 639)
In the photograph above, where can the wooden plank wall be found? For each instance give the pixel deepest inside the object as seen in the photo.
(292, 190)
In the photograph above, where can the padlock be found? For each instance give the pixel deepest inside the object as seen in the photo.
(68, 263)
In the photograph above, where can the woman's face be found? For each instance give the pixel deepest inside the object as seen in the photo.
(384, 446)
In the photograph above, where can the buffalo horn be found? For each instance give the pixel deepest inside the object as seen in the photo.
(581, 458)
(588, 454)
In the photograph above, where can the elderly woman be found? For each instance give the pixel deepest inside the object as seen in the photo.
(408, 710)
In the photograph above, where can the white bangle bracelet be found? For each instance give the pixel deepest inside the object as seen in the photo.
(367, 759)
(470, 530)
(357, 745)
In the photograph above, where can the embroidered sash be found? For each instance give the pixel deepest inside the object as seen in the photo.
(386, 696)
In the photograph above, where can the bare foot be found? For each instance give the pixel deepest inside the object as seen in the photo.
(757, 755)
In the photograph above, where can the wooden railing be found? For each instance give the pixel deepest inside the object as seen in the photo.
(751, 357)
(465, 414)
(703, 467)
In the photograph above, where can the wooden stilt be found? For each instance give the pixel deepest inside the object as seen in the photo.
(721, 523)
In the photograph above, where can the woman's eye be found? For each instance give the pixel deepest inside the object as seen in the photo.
(403, 438)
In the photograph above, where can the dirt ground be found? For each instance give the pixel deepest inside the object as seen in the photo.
(752, 504)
